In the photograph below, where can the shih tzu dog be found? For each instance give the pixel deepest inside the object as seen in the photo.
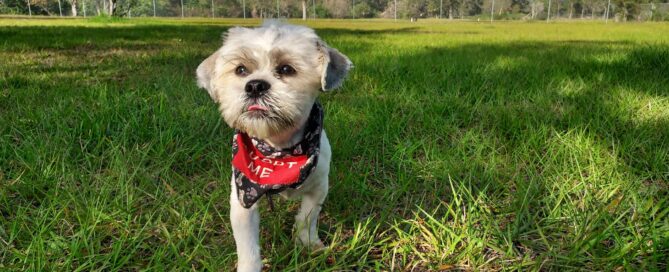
(266, 81)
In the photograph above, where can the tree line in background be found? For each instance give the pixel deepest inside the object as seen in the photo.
(620, 10)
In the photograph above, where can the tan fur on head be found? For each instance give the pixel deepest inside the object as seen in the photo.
(262, 50)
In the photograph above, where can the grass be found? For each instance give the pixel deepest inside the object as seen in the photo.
(470, 146)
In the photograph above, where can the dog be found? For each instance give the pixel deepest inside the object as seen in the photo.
(266, 82)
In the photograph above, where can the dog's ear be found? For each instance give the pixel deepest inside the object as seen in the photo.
(205, 72)
(335, 67)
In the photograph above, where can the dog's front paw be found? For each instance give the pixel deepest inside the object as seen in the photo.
(311, 244)
(249, 266)
(316, 247)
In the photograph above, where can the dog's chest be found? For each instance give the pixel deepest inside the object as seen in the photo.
(320, 174)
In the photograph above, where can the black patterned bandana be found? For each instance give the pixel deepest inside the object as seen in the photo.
(260, 169)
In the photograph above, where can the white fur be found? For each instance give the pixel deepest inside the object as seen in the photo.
(246, 222)
(318, 67)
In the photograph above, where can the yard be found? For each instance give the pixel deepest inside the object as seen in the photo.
(457, 145)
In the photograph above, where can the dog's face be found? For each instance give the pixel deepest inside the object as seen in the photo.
(266, 79)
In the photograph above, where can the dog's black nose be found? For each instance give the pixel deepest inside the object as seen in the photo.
(257, 87)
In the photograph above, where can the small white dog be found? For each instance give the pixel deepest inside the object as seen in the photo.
(266, 81)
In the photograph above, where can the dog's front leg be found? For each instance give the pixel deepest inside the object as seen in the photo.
(307, 218)
(245, 228)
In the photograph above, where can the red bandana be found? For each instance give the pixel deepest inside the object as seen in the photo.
(265, 170)
(259, 169)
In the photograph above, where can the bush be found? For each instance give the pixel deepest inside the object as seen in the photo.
(10, 10)
(660, 17)
(322, 12)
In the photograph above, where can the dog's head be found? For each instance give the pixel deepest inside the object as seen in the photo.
(266, 79)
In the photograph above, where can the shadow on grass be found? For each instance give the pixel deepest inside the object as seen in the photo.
(118, 55)
(533, 126)
(80, 38)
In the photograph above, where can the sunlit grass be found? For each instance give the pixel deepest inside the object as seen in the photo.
(457, 145)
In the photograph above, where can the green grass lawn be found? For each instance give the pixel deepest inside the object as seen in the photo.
(474, 146)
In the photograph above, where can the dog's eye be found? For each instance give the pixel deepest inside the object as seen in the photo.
(241, 70)
(285, 70)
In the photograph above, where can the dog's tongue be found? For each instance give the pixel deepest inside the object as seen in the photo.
(256, 107)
